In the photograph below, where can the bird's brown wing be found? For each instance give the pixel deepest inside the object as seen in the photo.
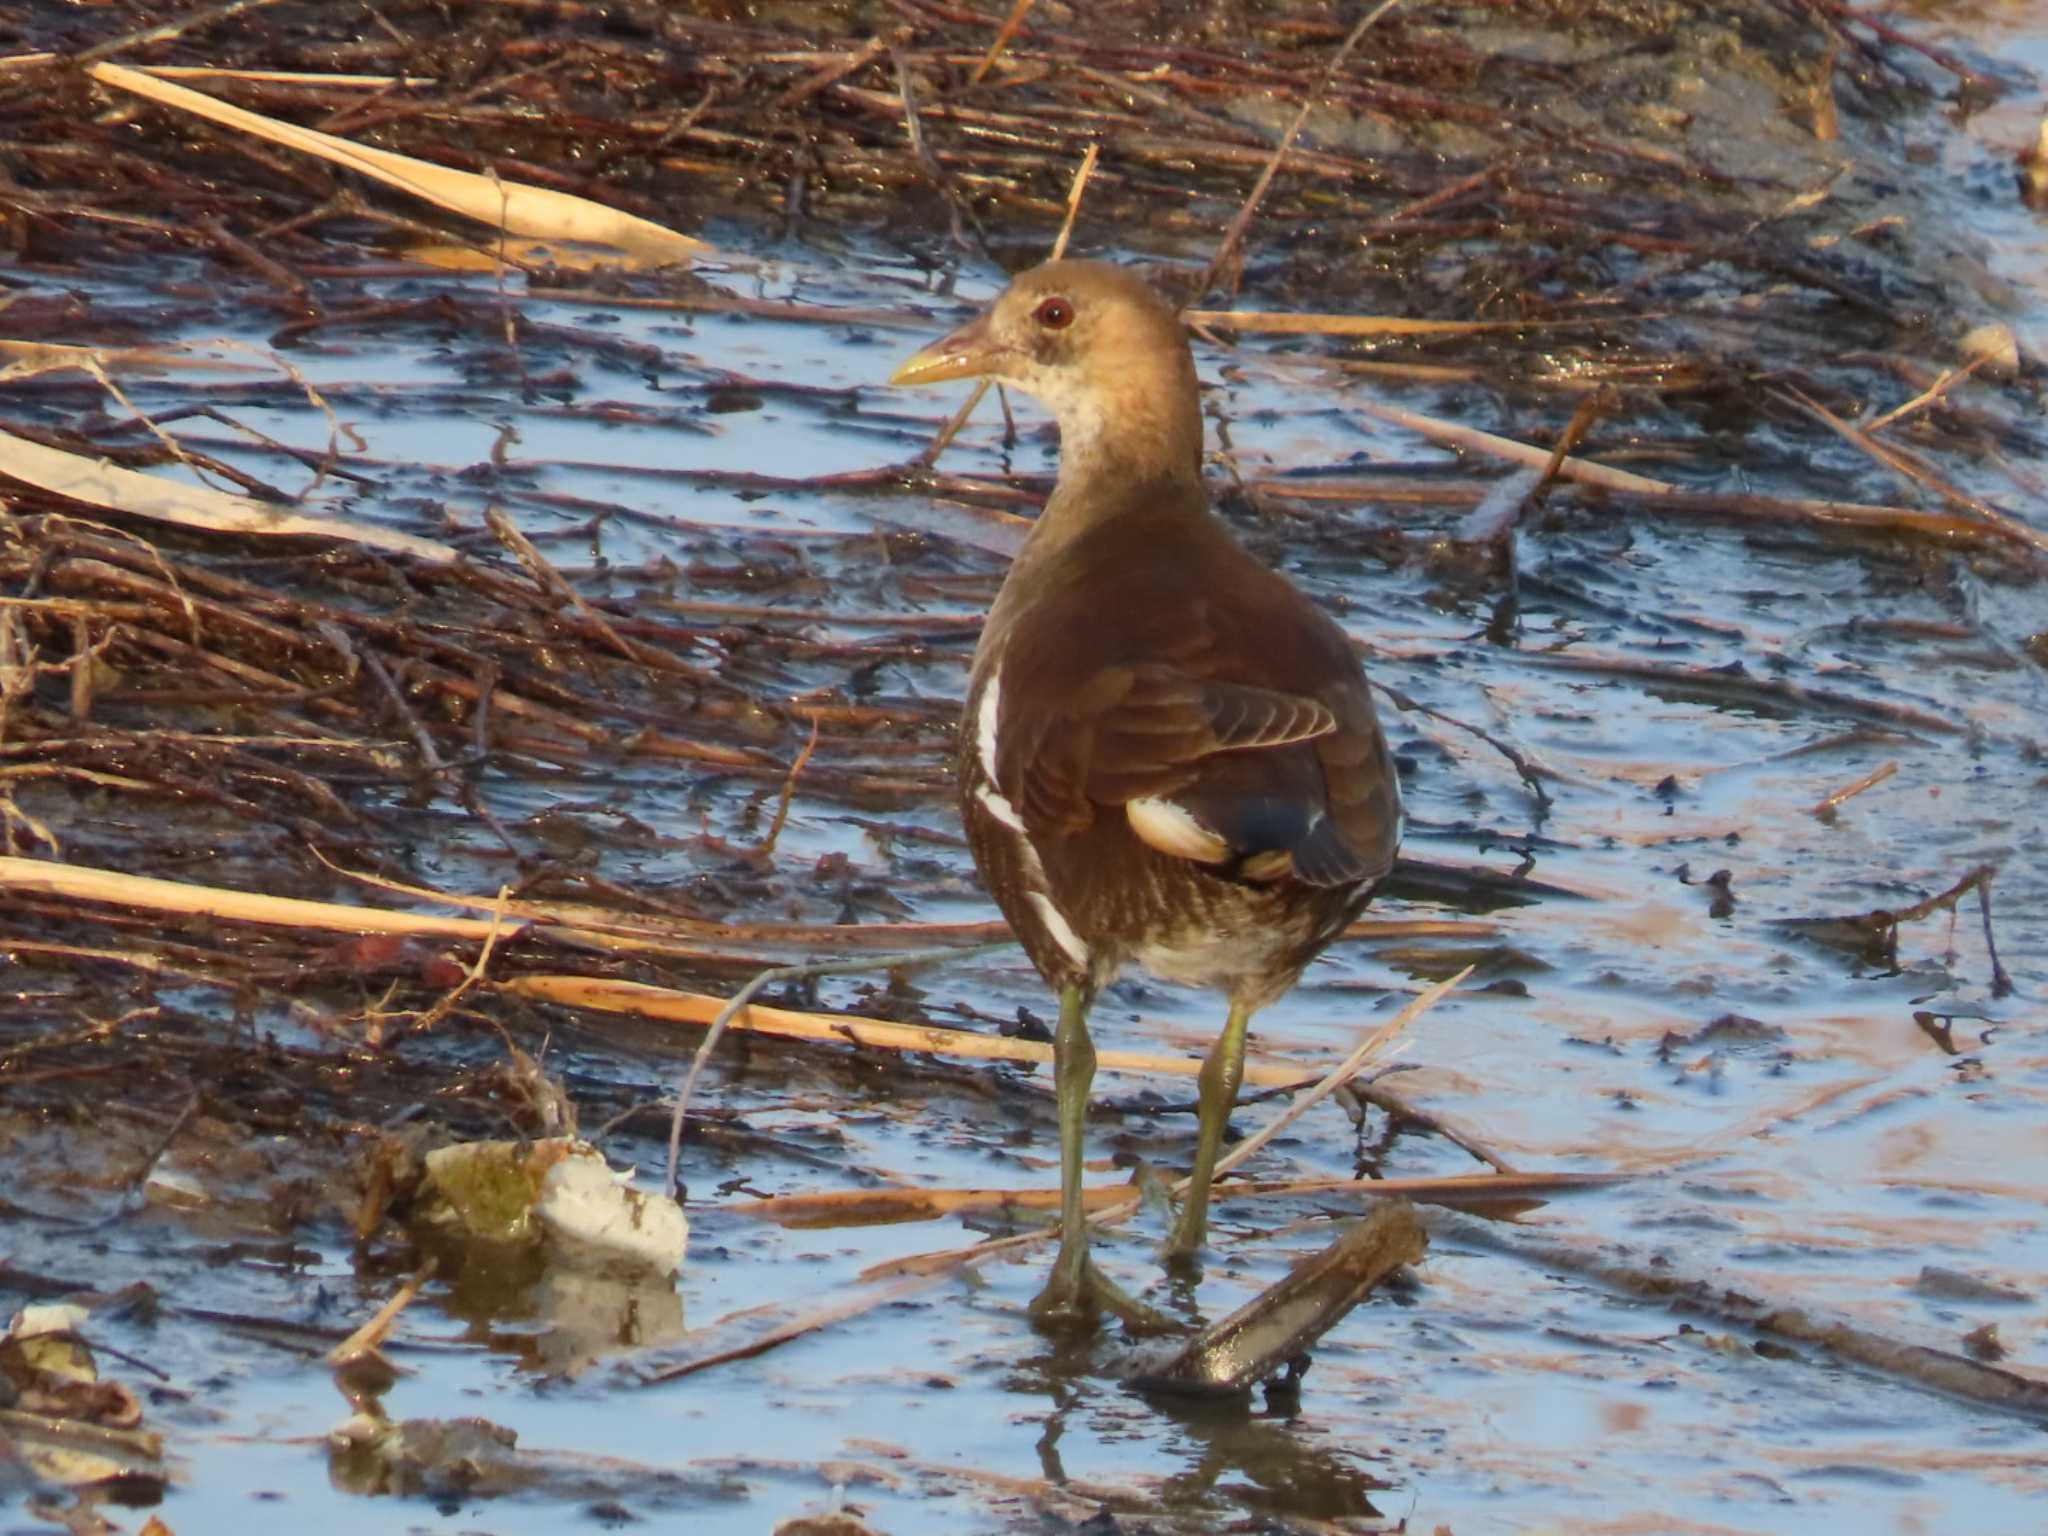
(1263, 782)
(1228, 720)
(1142, 730)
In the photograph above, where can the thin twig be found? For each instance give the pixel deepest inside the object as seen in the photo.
(1235, 232)
(906, 960)
(2001, 983)
(796, 769)
(430, 756)
(1377, 1093)
(446, 1005)
(951, 429)
(959, 419)
(1344, 1071)
(163, 1145)
(552, 580)
(164, 31)
(1870, 780)
(1897, 460)
(1525, 770)
(1948, 380)
(370, 1337)
(1074, 190)
(1949, 899)
(847, 64)
(1008, 30)
(957, 210)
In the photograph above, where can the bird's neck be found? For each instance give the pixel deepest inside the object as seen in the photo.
(1129, 445)
(1134, 467)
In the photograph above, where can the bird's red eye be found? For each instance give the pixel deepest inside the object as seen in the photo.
(1055, 314)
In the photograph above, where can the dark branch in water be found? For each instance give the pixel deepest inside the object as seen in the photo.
(1934, 1370)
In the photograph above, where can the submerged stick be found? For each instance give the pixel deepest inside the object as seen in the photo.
(1265, 322)
(877, 1207)
(1934, 1370)
(1829, 804)
(793, 1325)
(1277, 1327)
(1997, 528)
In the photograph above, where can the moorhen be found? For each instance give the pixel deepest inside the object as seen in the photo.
(1168, 755)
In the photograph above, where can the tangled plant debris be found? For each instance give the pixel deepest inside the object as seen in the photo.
(443, 658)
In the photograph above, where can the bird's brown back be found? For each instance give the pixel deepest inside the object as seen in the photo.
(1131, 655)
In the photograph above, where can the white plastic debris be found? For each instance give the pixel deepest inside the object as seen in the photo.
(49, 1317)
(584, 1199)
(563, 1189)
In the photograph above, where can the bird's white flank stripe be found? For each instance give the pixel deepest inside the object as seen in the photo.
(985, 722)
(998, 806)
(1061, 930)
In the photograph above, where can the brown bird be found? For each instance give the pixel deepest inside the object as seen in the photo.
(1168, 755)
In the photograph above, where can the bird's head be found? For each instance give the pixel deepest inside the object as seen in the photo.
(1090, 341)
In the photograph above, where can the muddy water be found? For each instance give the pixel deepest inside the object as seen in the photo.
(1688, 692)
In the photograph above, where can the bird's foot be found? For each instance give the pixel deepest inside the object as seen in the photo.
(1182, 1252)
(1077, 1295)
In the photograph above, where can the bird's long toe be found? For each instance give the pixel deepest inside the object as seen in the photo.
(1078, 1294)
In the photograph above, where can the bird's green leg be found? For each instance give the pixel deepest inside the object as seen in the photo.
(1066, 1299)
(1221, 1075)
(1078, 1292)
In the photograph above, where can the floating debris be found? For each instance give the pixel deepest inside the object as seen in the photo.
(561, 1190)
(1273, 1333)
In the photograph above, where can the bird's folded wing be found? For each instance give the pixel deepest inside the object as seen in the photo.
(1138, 731)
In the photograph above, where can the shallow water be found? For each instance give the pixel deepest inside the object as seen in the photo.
(1821, 1151)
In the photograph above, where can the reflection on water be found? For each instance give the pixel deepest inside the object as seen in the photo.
(556, 1316)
